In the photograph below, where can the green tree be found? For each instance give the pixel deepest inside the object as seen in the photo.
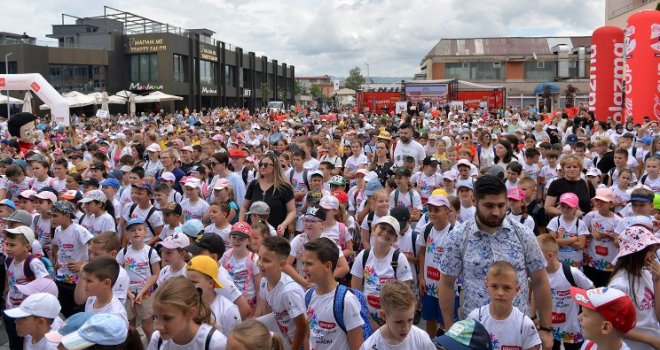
(315, 91)
(265, 92)
(355, 79)
(298, 89)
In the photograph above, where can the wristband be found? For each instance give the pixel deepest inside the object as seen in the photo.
(545, 329)
(534, 318)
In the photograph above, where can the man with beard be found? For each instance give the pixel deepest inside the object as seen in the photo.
(485, 239)
(407, 147)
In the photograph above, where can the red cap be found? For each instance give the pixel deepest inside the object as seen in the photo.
(236, 153)
(612, 304)
(341, 196)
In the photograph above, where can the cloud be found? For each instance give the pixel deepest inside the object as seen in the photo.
(332, 36)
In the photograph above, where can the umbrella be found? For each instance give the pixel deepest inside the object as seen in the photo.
(113, 99)
(12, 101)
(27, 103)
(156, 97)
(131, 105)
(75, 100)
(124, 94)
(540, 88)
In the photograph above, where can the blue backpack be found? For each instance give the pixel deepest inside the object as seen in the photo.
(27, 270)
(338, 309)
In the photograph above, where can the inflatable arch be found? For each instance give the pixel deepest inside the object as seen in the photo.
(59, 107)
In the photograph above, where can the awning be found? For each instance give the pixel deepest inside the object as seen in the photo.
(539, 89)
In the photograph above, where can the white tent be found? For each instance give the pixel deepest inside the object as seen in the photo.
(27, 102)
(75, 99)
(12, 101)
(157, 96)
(345, 92)
(114, 99)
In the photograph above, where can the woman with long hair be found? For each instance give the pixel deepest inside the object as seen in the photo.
(118, 148)
(485, 150)
(274, 189)
(503, 154)
(333, 157)
(381, 163)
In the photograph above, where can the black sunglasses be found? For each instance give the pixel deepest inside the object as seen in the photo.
(265, 165)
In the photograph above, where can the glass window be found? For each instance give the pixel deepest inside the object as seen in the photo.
(474, 71)
(135, 68)
(153, 67)
(207, 74)
(144, 67)
(540, 70)
(179, 68)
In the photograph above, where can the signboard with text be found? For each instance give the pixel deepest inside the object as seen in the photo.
(139, 45)
(208, 53)
(431, 92)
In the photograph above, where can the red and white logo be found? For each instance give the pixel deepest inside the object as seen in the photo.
(373, 301)
(558, 317)
(602, 251)
(433, 273)
(326, 325)
(35, 87)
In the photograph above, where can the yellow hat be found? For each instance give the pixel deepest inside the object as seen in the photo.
(206, 266)
(439, 191)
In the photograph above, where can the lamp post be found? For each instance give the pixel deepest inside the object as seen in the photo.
(7, 72)
(368, 79)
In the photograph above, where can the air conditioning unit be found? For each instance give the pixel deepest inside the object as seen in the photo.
(540, 64)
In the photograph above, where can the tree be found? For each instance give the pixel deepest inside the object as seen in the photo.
(315, 91)
(298, 89)
(265, 92)
(355, 79)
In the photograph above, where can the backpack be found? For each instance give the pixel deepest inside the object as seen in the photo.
(396, 196)
(395, 259)
(370, 219)
(642, 180)
(206, 345)
(427, 231)
(151, 249)
(568, 274)
(304, 174)
(244, 174)
(338, 307)
(27, 270)
(249, 264)
(146, 219)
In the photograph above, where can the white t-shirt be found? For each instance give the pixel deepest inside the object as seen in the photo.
(654, 184)
(72, 247)
(435, 248)
(517, 331)
(569, 255)
(156, 218)
(529, 221)
(42, 344)
(287, 300)
(426, 184)
(643, 298)
(226, 314)
(548, 173)
(167, 273)
(530, 170)
(41, 228)
(218, 340)
(601, 252)
(338, 234)
(356, 197)
(413, 149)
(325, 333)
(353, 163)
(403, 199)
(297, 248)
(97, 225)
(376, 274)
(620, 196)
(230, 291)
(114, 307)
(416, 339)
(194, 210)
(590, 345)
(138, 264)
(466, 214)
(16, 276)
(167, 231)
(36, 185)
(336, 160)
(222, 232)
(120, 288)
(241, 272)
(565, 325)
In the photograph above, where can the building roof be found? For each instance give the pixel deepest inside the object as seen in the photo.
(504, 46)
(320, 77)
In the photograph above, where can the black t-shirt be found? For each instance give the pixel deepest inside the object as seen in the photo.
(275, 199)
(582, 188)
(384, 171)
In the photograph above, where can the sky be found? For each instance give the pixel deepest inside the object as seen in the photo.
(332, 36)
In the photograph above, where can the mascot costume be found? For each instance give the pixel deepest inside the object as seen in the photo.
(22, 126)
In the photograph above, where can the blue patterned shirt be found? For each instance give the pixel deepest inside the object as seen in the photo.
(471, 257)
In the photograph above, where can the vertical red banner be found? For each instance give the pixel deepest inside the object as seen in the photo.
(642, 70)
(606, 72)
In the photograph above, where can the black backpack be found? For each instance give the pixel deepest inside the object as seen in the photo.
(395, 259)
(146, 219)
(568, 274)
(304, 174)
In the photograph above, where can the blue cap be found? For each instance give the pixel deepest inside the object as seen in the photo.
(136, 221)
(372, 186)
(646, 140)
(8, 202)
(22, 163)
(101, 329)
(115, 174)
(110, 182)
(70, 325)
(192, 228)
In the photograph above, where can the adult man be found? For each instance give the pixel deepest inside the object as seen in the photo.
(479, 242)
(407, 147)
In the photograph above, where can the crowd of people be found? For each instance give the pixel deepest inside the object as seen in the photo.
(287, 230)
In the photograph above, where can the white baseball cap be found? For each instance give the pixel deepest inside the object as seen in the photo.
(168, 176)
(22, 230)
(154, 147)
(390, 220)
(40, 304)
(329, 202)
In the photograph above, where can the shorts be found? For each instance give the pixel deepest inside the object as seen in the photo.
(144, 310)
(431, 309)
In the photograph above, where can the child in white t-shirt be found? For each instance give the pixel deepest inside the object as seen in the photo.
(571, 232)
(99, 276)
(202, 271)
(516, 200)
(509, 328)
(565, 325)
(333, 229)
(106, 244)
(194, 207)
(173, 255)
(96, 220)
(143, 266)
(34, 318)
(171, 219)
(375, 267)
(601, 249)
(397, 310)
(41, 222)
(218, 214)
(241, 263)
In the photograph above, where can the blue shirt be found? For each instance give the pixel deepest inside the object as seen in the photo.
(471, 256)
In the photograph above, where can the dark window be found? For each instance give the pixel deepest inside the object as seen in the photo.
(180, 68)
(144, 67)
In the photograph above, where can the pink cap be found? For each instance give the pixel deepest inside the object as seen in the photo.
(604, 194)
(362, 171)
(569, 199)
(187, 148)
(168, 176)
(47, 195)
(438, 200)
(516, 193)
(449, 175)
(217, 137)
(463, 162)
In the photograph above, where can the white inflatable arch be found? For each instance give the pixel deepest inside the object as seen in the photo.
(59, 107)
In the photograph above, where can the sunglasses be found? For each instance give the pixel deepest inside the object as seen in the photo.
(265, 165)
(212, 164)
(300, 134)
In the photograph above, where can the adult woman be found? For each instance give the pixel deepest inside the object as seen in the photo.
(466, 141)
(170, 159)
(119, 148)
(571, 166)
(381, 164)
(333, 157)
(271, 187)
(485, 150)
(504, 154)
(137, 151)
(539, 133)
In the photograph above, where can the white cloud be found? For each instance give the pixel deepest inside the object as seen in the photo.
(332, 36)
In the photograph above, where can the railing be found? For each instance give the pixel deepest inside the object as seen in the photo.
(55, 43)
(628, 8)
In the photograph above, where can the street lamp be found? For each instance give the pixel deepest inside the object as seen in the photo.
(7, 72)
(368, 79)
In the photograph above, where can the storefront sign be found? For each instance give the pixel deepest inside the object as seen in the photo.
(247, 92)
(208, 53)
(209, 91)
(137, 45)
(145, 87)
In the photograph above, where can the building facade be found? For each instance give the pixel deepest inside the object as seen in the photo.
(520, 64)
(325, 83)
(618, 11)
(123, 51)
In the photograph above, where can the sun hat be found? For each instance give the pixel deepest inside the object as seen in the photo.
(439, 191)
(208, 241)
(46, 195)
(465, 183)
(449, 175)
(389, 220)
(206, 266)
(569, 199)
(69, 326)
(593, 171)
(192, 182)
(21, 216)
(175, 241)
(362, 171)
(100, 329)
(259, 208)
(465, 335)
(329, 202)
(192, 228)
(221, 184)
(604, 194)
(241, 229)
(438, 200)
(39, 285)
(22, 230)
(27, 194)
(463, 162)
(612, 304)
(133, 222)
(634, 239)
(337, 180)
(93, 195)
(370, 176)
(39, 304)
(9, 203)
(516, 193)
(154, 147)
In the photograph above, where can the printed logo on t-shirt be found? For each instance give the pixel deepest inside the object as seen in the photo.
(603, 251)
(433, 273)
(648, 302)
(558, 317)
(373, 301)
